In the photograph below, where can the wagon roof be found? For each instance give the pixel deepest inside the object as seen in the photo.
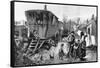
(40, 11)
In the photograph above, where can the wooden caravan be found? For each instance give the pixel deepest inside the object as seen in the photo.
(43, 21)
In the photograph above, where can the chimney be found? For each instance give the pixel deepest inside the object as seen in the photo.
(45, 7)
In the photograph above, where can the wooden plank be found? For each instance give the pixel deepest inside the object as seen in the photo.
(41, 44)
(36, 46)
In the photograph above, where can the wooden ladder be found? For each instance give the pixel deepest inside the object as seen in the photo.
(36, 44)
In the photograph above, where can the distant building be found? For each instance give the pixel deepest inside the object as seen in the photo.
(21, 29)
(90, 28)
(20, 23)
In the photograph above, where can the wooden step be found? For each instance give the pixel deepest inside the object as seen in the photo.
(32, 43)
(32, 46)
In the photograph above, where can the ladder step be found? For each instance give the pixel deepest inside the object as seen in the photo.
(34, 40)
(32, 43)
(31, 46)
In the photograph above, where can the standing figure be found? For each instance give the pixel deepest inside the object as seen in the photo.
(76, 49)
(61, 53)
(83, 47)
(71, 41)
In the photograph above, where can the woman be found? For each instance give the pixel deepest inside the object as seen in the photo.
(83, 47)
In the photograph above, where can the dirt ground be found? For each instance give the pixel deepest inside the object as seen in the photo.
(24, 61)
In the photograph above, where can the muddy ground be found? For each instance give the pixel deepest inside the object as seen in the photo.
(91, 55)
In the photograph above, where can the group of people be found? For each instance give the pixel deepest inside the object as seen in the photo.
(77, 46)
(72, 48)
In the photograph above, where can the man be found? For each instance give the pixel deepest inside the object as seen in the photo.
(71, 40)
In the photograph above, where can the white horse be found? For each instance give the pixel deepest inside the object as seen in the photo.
(54, 51)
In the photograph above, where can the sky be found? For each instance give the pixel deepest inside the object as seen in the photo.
(61, 11)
